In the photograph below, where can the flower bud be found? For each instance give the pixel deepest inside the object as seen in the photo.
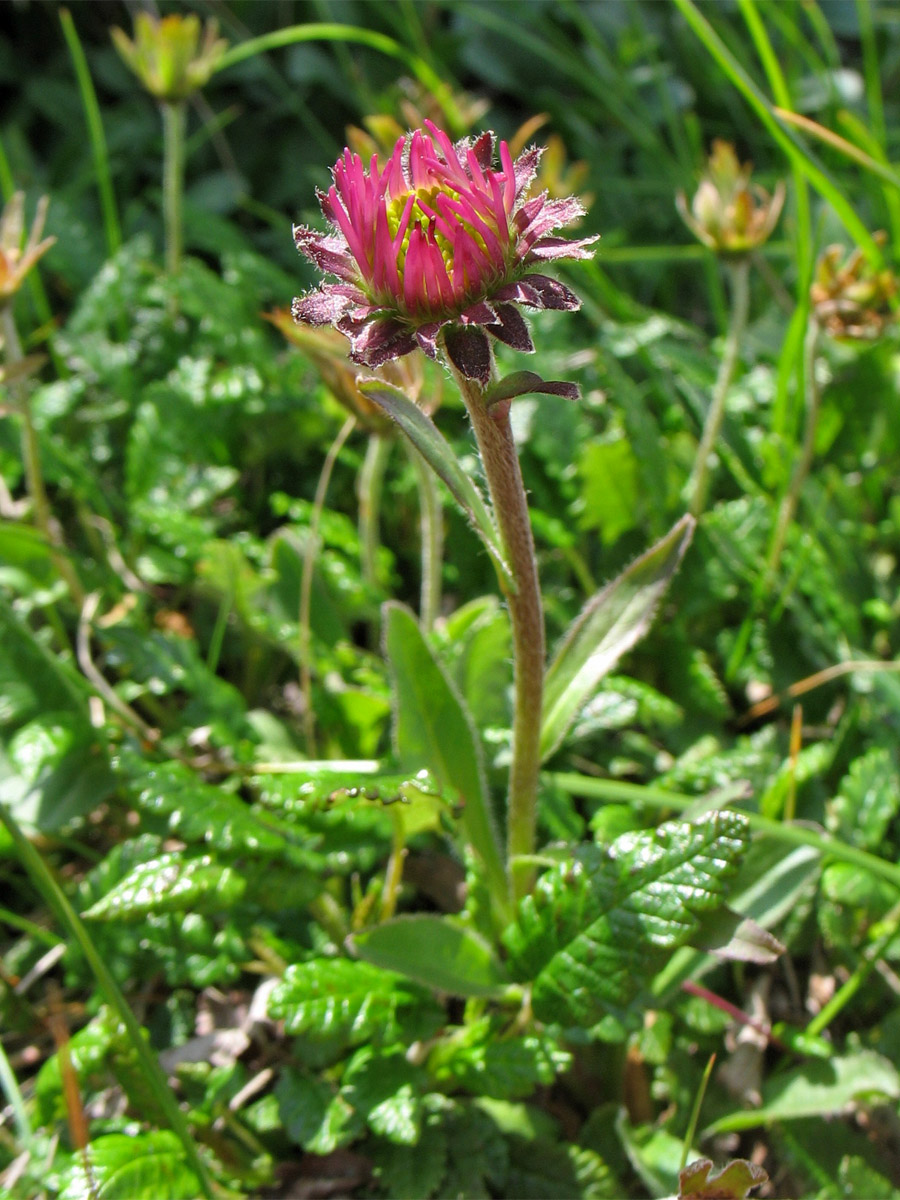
(729, 214)
(169, 56)
(852, 300)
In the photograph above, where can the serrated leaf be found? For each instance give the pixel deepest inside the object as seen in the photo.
(328, 997)
(596, 928)
(178, 882)
(818, 1088)
(540, 1169)
(413, 1172)
(313, 1114)
(387, 1090)
(733, 1182)
(434, 951)
(867, 799)
(196, 811)
(432, 729)
(145, 1166)
(485, 1064)
(611, 623)
(431, 444)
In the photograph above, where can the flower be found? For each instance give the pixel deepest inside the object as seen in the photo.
(168, 56)
(728, 213)
(852, 300)
(16, 262)
(436, 247)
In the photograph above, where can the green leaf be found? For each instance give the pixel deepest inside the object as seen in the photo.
(198, 812)
(143, 1166)
(502, 1068)
(57, 772)
(595, 929)
(313, 1114)
(177, 882)
(386, 1089)
(434, 951)
(611, 492)
(867, 799)
(817, 1089)
(328, 997)
(432, 729)
(415, 1172)
(611, 623)
(540, 1169)
(431, 444)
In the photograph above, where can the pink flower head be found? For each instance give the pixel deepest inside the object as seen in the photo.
(436, 243)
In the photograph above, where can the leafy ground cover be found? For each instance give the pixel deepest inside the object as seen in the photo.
(261, 932)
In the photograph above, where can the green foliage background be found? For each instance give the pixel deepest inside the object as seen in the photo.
(182, 442)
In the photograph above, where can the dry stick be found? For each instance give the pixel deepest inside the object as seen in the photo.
(306, 581)
(740, 306)
(500, 460)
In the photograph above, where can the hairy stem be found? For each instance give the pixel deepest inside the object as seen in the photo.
(500, 460)
(698, 487)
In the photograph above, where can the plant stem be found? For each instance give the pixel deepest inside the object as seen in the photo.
(807, 452)
(368, 495)
(500, 460)
(698, 487)
(31, 457)
(431, 526)
(174, 119)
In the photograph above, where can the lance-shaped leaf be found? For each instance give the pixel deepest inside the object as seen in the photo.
(611, 623)
(598, 927)
(523, 383)
(436, 951)
(433, 729)
(434, 448)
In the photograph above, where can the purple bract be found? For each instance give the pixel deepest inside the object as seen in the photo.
(433, 243)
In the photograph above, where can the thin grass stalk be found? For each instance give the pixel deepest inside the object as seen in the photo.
(46, 885)
(369, 483)
(310, 551)
(851, 986)
(99, 152)
(431, 532)
(500, 461)
(789, 363)
(795, 149)
(13, 1093)
(698, 488)
(335, 32)
(791, 497)
(42, 513)
(174, 116)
